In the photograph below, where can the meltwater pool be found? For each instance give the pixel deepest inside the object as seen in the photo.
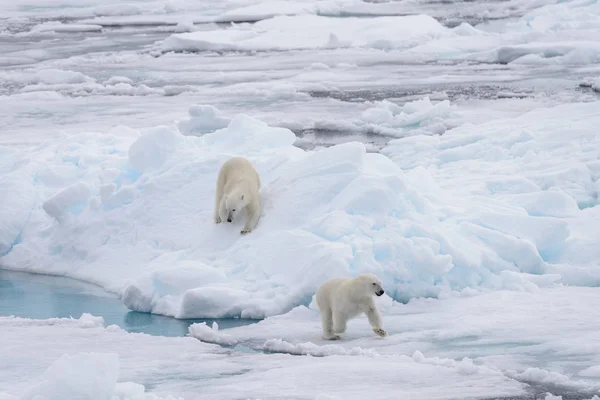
(38, 296)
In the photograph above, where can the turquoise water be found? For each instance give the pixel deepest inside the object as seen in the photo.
(41, 296)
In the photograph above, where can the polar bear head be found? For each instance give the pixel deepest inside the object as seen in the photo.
(235, 201)
(370, 284)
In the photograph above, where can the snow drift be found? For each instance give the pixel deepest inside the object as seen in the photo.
(132, 211)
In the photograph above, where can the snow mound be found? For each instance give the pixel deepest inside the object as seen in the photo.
(185, 367)
(56, 76)
(73, 83)
(89, 321)
(481, 207)
(83, 375)
(550, 35)
(211, 334)
(289, 33)
(203, 119)
(91, 376)
(416, 117)
(71, 199)
(16, 201)
(311, 349)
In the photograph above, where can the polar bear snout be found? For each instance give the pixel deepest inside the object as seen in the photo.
(230, 215)
(379, 293)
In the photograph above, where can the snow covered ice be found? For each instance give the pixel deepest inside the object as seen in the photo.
(511, 218)
(452, 150)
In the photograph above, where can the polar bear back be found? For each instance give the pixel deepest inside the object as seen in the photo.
(237, 170)
(327, 293)
(344, 295)
(340, 295)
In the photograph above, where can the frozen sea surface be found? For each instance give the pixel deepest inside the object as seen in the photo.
(451, 148)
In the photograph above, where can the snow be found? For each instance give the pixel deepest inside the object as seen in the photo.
(282, 32)
(452, 150)
(512, 217)
(555, 34)
(211, 334)
(215, 372)
(71, 199)
(82, 375)
(504, 331)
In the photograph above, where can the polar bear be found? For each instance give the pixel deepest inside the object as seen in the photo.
(341, 299)
(237, 188)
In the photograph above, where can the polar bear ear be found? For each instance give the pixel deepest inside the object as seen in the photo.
(242, 197)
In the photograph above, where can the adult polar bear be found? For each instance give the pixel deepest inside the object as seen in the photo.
(237, 188)
(341, 299)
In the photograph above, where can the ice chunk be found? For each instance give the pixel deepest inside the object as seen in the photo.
(83, 375)
(539, 375)
(551, 203)
(248, 134)
(289, 33)
(281, 346)
(390, 119)
(185, 26)
(213, 302)
(481, 207)
(70, 200)
(17, 199)
(550, 396)
(113, 80)
(129, 390)
(152, 149)
(203, 119)
(89, 321)
(111, 197)
(53, 76)
(138, 299)
(211, 335)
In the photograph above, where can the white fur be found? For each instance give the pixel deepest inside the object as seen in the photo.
(237, 188)
(341, 299)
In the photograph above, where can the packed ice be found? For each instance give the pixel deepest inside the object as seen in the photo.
(454, 154)
(511, 218)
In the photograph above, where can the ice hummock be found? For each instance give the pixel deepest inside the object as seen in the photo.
(481, 207)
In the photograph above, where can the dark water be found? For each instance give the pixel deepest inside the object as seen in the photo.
(42, 296)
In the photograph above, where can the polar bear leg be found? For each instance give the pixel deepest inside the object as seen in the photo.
(327, 324)
(374, 319)
(252, 216)
(223, 210)
(218, 197)
(339, 323)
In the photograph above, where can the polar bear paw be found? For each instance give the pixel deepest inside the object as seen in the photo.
(331, 336)
(380, 332)
(217, 219)
(245, 231)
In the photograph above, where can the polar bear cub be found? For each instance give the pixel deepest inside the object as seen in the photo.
(237, 188)
(341, 299)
